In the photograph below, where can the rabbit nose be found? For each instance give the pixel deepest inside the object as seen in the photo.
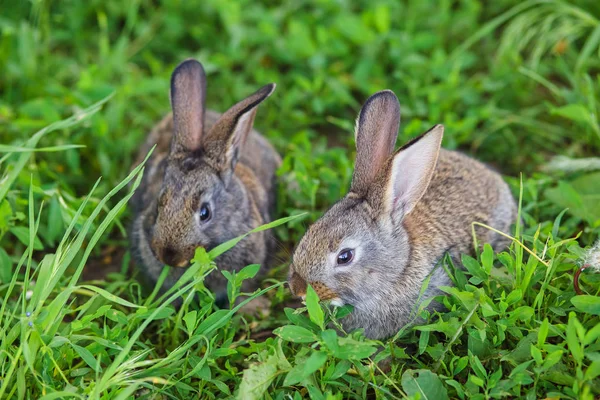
(297, 285)
(167, 255)
(171, 257)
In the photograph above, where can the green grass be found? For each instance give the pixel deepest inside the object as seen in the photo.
(517, 84)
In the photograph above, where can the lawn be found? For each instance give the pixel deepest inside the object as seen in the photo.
(516, 84)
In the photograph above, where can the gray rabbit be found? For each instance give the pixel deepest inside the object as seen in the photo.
(211, 178)
(404, 211)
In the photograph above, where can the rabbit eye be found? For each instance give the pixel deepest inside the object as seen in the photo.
(345, 256)
(204, 212)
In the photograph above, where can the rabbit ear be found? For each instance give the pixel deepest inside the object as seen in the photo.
(188, 94)
(376, 133)
(226, 138)
(411, 170)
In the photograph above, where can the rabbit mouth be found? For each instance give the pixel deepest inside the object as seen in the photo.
(336, 301)
(183, 264)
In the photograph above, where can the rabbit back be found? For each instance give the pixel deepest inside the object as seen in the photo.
(462, 191)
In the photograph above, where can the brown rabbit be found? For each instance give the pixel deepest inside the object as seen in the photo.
(211, 178)
(405, 210)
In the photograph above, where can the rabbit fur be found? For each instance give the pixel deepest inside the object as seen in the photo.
(405, 210)
(203, 160)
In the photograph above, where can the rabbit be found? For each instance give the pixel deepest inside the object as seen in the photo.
(404, 211)
(210, 178)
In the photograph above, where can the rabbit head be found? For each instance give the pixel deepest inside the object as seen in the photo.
(199, 203)
(357, 251)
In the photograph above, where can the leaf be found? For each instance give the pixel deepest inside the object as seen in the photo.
(474, 267)
(204, 372)
(58, 341)
(221, 386)
(495, 378)
(345, 310)
(303, 370)
(22, 233)
(315, 312)
(487, 258)
(222, 352)
(296, 334)
(19, 149)
(82, 323)
(87, 357)
(477, 367)
(476, 380)
(103, 342)
(581, 196)
(457, 386)
(340, 370)
(257, 378)
(223, 247)
(557, 220)
(215, 321)
(522, 313)
(521, 351)
(247, 272)
(352, 349)
(543, 332)
(573, 112)
(423, 341)
(461, 364)
(6, 271)
(536, 354)
(5, 216)
(55, 220)
(588, 188)
(592, 371)
(300, 319)
(424, 383)
(591, 44)
(448, 328)
(552, 359)
(117, 316)
(201, 257)
(587, 304)
(109, 296)
(63, 395)
(478, 344)
(330, 340)
(314, 393)
(592, 335)
(514, 296)
(382, 18)
(466, 298)
(190, 321)
(572, 339)
(165, 312)
(127, 392)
